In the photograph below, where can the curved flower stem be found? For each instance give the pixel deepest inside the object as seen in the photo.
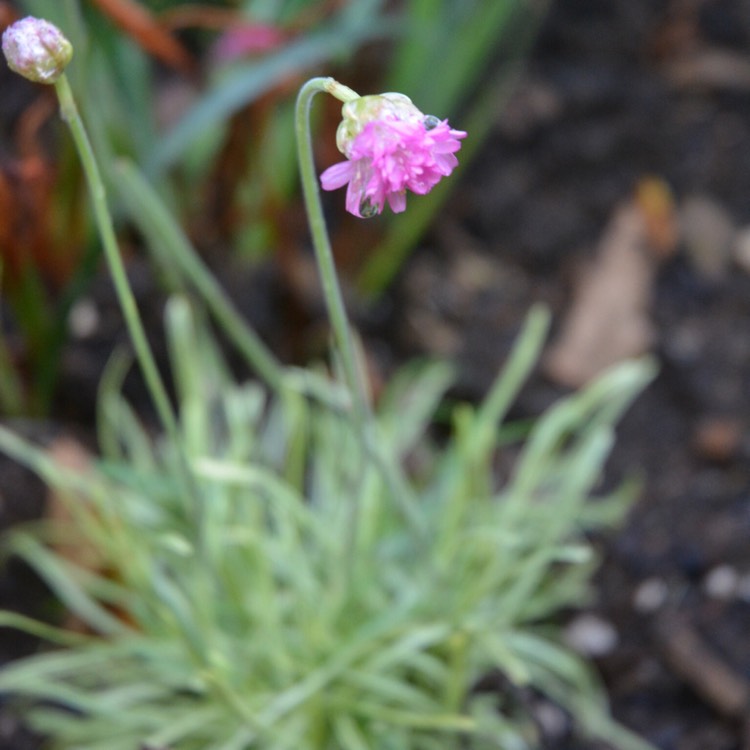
(69, 113)
(355, 381)
(323, 253)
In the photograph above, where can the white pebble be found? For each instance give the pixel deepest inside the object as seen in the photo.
(721, 582)
(590, 635)
(553, 720)
(83, 318)
(650, 595)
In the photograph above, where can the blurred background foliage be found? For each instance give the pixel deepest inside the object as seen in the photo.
(200, 96)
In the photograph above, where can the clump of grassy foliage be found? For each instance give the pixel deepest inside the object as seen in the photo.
(299, 603)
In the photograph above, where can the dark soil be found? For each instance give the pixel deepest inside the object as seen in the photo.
(615, 92)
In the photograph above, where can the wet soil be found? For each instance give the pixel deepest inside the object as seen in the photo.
(615, 93)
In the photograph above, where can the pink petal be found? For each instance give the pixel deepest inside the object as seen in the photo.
(397, 202)
(337, 176)
(353, 200)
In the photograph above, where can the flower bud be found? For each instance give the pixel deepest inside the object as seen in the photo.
(36, 49)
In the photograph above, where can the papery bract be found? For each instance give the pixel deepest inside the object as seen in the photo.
(391, 147)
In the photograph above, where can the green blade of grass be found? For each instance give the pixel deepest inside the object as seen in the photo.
(246, 84)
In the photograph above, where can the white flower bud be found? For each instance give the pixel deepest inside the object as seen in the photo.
(36, 49)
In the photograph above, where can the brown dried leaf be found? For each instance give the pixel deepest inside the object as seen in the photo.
(200, 16)
(710, 68)
(143, 27)
(8, 14)
(25, 210)
(69, 454)
(608, 321)
(69, 515)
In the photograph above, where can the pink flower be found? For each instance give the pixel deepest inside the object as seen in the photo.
(247, 40)
(398, 150)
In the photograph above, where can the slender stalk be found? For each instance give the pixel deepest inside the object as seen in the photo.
(335, 304)
(154, 382)
(323, 253)
(69, 113)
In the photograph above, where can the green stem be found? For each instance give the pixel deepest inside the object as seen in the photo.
(334, 301)
(70, 114)
(154, 382)
(323, 253)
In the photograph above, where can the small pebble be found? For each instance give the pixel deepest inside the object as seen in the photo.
(718, 438)
(721, 582)
(8, 726)
(555, 723)
(650, 595)
(83, 318)
(590, 635)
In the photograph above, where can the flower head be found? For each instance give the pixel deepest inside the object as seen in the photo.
(36, 49)
(391, 147)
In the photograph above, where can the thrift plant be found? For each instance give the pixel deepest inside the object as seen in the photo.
(269, 574)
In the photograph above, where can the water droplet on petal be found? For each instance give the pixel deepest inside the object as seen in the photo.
(367, 210)
(430, 122)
